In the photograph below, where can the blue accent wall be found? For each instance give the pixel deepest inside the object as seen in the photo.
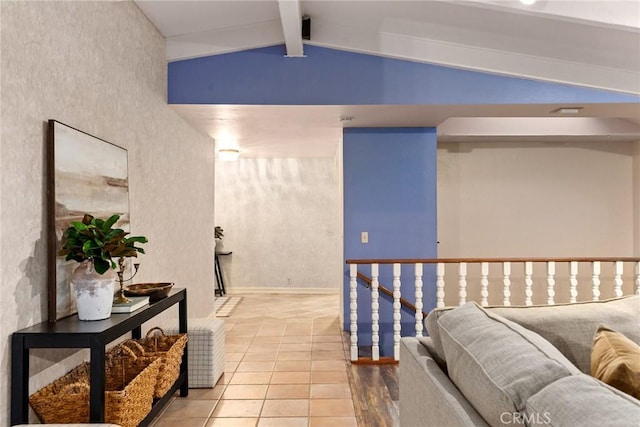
(390, 192)
(333, 77)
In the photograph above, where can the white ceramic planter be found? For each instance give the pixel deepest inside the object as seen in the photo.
(94, 292)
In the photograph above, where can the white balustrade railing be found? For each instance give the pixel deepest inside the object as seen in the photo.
(568, 287)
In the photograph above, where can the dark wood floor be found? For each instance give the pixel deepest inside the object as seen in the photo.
(375, 392)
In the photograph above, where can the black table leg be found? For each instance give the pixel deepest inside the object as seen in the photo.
(182, 328)
(19, 381)
(97, 380)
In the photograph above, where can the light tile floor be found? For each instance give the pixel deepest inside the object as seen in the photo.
(285, 367)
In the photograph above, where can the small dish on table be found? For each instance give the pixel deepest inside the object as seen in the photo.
(155, 291)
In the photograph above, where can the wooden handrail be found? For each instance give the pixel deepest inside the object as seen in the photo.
(386, 291)
(490, 260)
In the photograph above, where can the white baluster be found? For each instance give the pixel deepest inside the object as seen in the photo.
(419, 295)
(396, 311)
(506, 283)
(551, 271)
(440, 285)
(528, 282)
(638, 278)
(595, 279)
(484, 283)
(462, 283)
(353, 309)
(375, 313)
(617, 278)
(573, 281)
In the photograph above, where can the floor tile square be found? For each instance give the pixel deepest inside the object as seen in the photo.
(331, 408)
(238, 408)
(296, 339)
(250, 378)
(255, 367)
(267, 340)
(289, 391)
(290, 378)
(294, 355)
(262, 348)
(296, 347)
(331, 377)
(245, 391)
(330, 391)
(292, 365)
(269, 356)
(285, 408)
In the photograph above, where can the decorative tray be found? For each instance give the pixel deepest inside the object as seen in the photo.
(154, 291)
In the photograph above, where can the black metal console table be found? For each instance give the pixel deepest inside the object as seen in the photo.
(94, 335)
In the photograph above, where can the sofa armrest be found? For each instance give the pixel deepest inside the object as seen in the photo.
(427, 395)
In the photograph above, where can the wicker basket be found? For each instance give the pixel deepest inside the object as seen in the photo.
(129, 386)
(169, 348)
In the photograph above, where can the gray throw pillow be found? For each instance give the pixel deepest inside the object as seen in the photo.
(497, 364)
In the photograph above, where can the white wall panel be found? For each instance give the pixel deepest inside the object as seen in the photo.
(281, 220)
(535, 199)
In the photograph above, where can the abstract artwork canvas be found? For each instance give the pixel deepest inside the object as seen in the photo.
(85, 175)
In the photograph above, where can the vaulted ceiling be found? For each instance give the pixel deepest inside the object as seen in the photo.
(587, 43)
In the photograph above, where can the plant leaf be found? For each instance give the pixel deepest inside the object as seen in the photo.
(101, 265)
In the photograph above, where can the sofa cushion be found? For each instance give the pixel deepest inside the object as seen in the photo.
(580, 400)
(496, 363)
(615, 360)
(569, 327)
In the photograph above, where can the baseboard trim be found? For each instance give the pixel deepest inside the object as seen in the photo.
(273, 290)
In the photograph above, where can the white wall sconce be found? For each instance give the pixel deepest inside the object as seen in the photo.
(228, 154)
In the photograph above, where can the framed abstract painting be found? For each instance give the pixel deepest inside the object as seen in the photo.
(86, 174)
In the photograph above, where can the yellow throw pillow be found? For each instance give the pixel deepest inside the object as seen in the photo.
(615, 360)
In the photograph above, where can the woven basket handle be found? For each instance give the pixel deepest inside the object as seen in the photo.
(154, 329)
(115, 353)
(133, 343)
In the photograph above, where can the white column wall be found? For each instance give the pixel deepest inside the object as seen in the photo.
(281, 220)
(99, 67)
(536, 199)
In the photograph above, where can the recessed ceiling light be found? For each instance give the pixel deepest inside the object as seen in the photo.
(567, 110)
(528, 2)
(228, 154)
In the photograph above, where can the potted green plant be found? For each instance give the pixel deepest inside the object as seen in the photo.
(95, 244)
(218, 234)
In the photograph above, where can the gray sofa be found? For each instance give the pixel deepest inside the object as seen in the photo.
(506, 366)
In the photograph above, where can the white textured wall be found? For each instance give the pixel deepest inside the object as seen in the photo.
(528, 199)
(99, 67)
(281, 220)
